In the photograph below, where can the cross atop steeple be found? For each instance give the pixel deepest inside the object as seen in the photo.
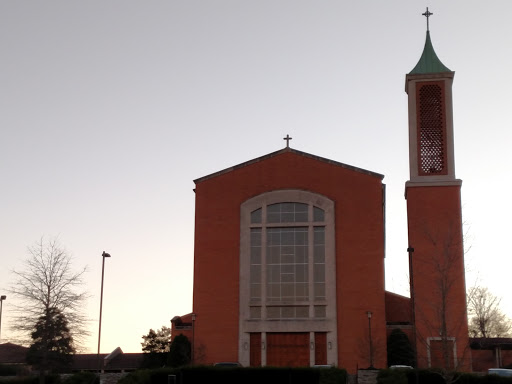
(287, 138)
(427, 14)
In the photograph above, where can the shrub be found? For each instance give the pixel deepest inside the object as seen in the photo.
(392, 376)
(180, 351)
(400, 351)
(7, 370)
(210, 374)
(82, 378)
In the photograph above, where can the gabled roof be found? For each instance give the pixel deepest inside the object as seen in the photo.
(429, 62)
(285, 150)
(122, 361)
(12, 353)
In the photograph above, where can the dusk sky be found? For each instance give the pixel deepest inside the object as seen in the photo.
(109, 109)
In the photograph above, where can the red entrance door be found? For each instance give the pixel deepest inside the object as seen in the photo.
(288, 349)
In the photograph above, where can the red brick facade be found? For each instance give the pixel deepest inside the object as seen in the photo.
(339, 312)
(359, 258)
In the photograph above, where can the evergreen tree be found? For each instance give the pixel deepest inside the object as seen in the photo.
(180, 351)
(52, 347)
(156, 346)
(400, 351)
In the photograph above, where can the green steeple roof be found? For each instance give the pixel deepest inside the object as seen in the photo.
(429, 62)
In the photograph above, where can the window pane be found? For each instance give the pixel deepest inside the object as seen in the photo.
(274, 237)
(318, 214)
(273, 273)
(319, 273)
(286, 207)
(319, 245)
(287, 291)
(273, 255)
(255, 312)
(287, 277)
(300, 207)
(319, 236)
(301, 217)
(256, 216)
(289, 259)
(319, 254)
(301, 237)
(287, 237)
(319, 291)
(320, 311)
(301, 273)
(288, 312)
(255, 255)
(273, 217)
(287, 263)
(256, 236)
(255, 264)
(255, 274)
(255, 292)
(273, 312)
(287, 217)
(302, 290)
(302, 312)
(273, 292)
(287, 213)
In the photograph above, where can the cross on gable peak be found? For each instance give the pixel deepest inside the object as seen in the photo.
(287, 138)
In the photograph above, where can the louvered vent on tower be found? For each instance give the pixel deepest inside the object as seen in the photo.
(431, 129)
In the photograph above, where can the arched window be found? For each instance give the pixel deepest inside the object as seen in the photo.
(289, 238)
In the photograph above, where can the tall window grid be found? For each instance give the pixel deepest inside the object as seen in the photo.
(287, 266)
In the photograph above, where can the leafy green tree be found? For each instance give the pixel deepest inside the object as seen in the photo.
(52, 348)
(400, 350)
(156, 347)
(180, 351)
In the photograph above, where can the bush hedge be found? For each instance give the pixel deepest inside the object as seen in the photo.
(7, 370)
(267, 375)
(408, 376)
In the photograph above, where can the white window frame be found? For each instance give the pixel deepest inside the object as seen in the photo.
(311, 324)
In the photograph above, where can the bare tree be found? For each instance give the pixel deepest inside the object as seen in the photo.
(440, 305)
(47, 282)
(485, 317)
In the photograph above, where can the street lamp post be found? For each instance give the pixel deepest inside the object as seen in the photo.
(193, 336)
(104, 255)
(369, 313)
(2, 298)
(410, 251)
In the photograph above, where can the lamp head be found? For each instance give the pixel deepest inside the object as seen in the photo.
(369, 313)
(3, 297)
(105, 254)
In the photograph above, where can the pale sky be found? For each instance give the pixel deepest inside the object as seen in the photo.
(110, 109)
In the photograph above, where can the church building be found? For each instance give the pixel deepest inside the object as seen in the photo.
(289, 253)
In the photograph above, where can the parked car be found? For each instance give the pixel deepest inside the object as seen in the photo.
(500, 372)
(227, 364)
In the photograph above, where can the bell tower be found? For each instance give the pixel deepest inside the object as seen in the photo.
(434, 218)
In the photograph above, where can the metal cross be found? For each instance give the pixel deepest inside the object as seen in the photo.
(427, 14)
(287, 138)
